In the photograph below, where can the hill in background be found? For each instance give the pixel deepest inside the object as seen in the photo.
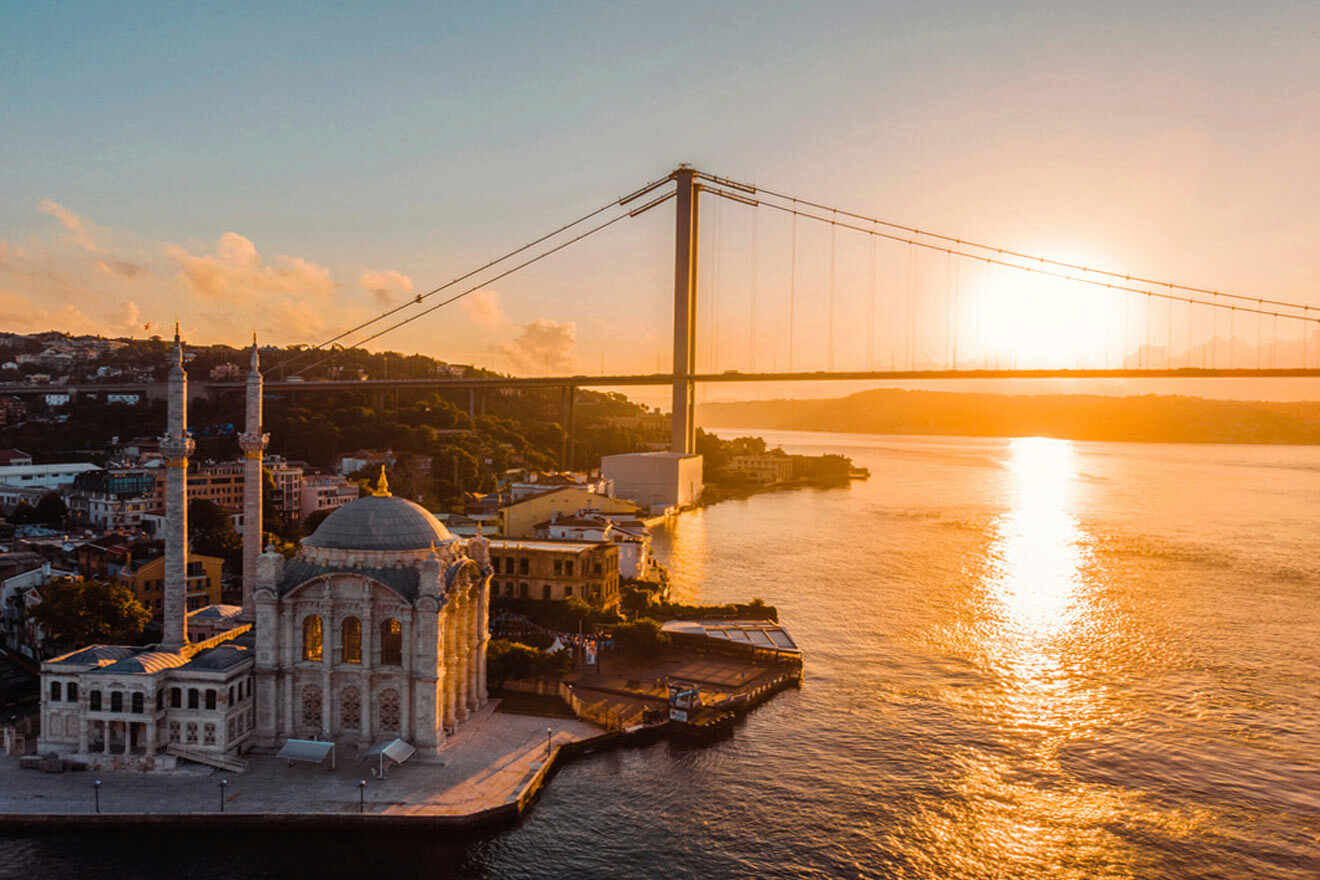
(1150, 418)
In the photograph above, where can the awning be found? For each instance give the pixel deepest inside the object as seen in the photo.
(313, 751)
(396, 750)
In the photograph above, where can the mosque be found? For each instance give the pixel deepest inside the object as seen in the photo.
(375, 631)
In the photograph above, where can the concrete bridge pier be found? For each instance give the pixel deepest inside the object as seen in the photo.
(684, 436)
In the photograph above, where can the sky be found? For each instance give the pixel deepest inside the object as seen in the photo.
(292, 170)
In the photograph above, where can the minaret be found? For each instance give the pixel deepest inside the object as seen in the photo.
(176, 446)
(253, 443)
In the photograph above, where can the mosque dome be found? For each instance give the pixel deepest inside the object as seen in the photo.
(379, 522)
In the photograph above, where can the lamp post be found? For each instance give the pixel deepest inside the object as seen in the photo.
(362, 796)
(223, 783)
(96, 787)
(548, 732)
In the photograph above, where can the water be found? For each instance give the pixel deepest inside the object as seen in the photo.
(1026, 658)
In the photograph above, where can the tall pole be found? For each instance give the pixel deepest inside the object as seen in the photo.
(176, 446)
(684, 439)
(253, 443)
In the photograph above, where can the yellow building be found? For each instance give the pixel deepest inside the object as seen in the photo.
(519, 519)
(148, 582)
(764, 468)
(555, 570)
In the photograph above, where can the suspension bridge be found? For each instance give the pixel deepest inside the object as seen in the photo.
(979, 311)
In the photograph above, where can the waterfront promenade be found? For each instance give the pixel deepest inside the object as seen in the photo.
(487, 772)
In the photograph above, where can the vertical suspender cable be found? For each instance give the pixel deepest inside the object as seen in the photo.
(870, 312)
(792, 287)
(957, 273)
(751, 318)
(829, 357)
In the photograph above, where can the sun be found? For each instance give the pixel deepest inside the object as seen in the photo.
(1021, 320)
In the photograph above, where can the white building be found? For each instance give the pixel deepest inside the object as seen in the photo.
(48, 476)
(655, 480)
(326, 492)
(632, 536)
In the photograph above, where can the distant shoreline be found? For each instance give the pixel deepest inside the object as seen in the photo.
(1088, 418)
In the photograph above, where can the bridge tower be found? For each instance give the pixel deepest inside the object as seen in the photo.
(684, 437)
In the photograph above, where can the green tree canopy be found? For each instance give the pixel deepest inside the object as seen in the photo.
(77, 613)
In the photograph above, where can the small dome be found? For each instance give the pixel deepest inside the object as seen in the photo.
(379, 522)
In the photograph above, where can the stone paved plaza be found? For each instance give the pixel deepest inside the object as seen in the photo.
(487, 764)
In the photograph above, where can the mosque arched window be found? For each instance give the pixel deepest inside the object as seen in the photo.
(389, 710)
(313, 637)
(350, 640)
(311, 706)
(391, 643)
(350, 708)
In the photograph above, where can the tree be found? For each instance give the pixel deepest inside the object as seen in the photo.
(79, 612)
(213, 533)
(51, 510)
(24, 514)
(642, 638)
(314, 519)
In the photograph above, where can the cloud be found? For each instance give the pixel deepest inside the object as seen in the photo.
(120, 268)
(483, 309)
(18, 313)
(386, 285)
(543, 345)
(235, 272)
(78, 227)
(126, 316)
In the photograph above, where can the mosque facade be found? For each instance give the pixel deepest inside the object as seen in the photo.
(376, 630)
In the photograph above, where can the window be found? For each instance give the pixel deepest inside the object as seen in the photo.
(524, 567)
(568, 591)
(391, 643)
(210, 698)
(389, 710)
(311, 706)
(596, 569)
(174, 731)
(350, 640)
(137, 704)
(508, 588)
(55, 688)
(545, 591)
(568, 568)
(95, 704)
(312, 638)
(522, 590)
(176, 698)
(559, 567)
(116, 701)
(210, 735)
(231, 695)
(350, 708)
(192, 698)
(508, 565)
(71, 692)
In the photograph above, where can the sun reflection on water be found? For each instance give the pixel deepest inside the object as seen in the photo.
(1032, 596)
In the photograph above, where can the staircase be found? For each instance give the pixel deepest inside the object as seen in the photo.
(211, 759)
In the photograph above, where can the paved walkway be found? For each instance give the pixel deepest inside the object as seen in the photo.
(487, 764)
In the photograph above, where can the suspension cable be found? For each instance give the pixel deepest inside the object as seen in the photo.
(465, 276)
(1008, 252)
(559, 247)
(1049, 273)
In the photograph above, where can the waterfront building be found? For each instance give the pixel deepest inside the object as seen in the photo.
(766, 468)
(631, 535)
(656, 480)
(554, 570)
(518, 519)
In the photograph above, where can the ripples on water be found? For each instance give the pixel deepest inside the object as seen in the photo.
(1026, 658)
